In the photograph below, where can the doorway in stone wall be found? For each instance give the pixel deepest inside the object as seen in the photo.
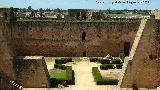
(126, 48)
(84, 54)
(83, 36)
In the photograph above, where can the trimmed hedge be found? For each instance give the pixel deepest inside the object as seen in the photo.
(117, 61)
(100, 81)
(60, 66)
(67, 59)
(70, 79)
(70, 75)
(60, 61)
(97, 75)
(109, 82)
(106, 66)
(110, 66)
(63, 60)
(119, 66)
(105, 61)
(93, 59)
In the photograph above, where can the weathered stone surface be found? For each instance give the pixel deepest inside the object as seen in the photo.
(50, 38)
(144, 70)
(6, 58)
(32, 71)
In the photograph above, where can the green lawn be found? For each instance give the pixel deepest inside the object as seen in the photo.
(58, 74)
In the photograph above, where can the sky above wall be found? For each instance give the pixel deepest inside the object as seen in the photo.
(82, 4)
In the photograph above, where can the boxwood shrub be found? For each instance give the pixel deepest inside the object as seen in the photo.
(63, 60)
(69, 75)
(60, 61)
(106, 66)
(96, 74)
(119, 66)
(93, 59)
(70, 79)
(67, 59)
(110, 82)
(100, 81)
(60, 66)
(105, 61)
(117, 61)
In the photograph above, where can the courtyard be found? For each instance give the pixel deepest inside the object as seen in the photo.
(84, 79)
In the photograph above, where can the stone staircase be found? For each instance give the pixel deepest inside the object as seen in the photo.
(133, 49)
(11, 82)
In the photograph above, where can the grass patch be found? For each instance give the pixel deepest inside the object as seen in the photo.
(58, 74)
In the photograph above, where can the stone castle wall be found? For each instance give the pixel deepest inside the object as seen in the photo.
(50, 38)
(144, 69)
(6, 57)
(32, 72)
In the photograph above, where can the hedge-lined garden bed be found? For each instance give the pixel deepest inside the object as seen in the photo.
(119, 66)
(60, 66)
(110, 66)
(94, 60)
(107, 61)
(100, 81)
(67, 75)
(106, 66)
(110, 60)
(63, 60)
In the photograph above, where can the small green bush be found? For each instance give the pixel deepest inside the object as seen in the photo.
(93, 59)
(70, 79)
(70, 75)
(106, 66)
(60, 66)
(96, 74)
(109, 82)
(60, 61)
(119, 66)
(69, 72)
(104, 61)
(100, 81)
(63, 60)
(67, 59)
(117, 61)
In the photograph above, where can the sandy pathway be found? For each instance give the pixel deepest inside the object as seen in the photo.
(84, 79)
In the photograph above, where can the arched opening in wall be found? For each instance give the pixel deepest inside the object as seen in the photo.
(126, 48)
(83, 36)
(84, 54)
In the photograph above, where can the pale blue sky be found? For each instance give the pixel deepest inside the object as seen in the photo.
(78, 4)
